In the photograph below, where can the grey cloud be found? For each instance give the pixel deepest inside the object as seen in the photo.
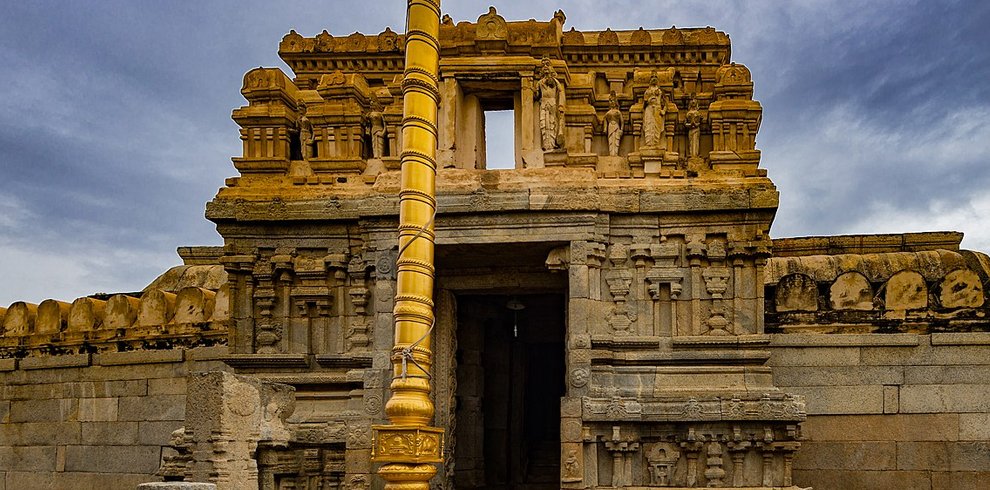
(115, 118)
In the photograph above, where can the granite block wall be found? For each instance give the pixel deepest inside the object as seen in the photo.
(93, 420)
(890, 411)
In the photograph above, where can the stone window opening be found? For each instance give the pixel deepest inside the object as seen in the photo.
(499, 136)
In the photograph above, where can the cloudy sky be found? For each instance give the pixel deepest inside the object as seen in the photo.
(115, 116)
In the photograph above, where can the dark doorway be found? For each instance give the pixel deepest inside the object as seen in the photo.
(510, 378)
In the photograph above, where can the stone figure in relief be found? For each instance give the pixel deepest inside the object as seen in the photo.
(305, 133)
(654, 111)
(376, 121)
(551, 96)
(572, 469)
(693, 122)
(613, 125)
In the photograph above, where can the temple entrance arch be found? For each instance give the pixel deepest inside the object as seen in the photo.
(500, 370)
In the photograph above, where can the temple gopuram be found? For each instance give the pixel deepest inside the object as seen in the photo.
(610, 311)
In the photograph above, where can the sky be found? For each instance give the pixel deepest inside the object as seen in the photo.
(115, 124)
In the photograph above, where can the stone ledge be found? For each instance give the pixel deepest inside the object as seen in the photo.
(139, 357)
(730, 341)
(260, 361)
(56, 362)
(961, 338)
(845, 340)
(176, 485)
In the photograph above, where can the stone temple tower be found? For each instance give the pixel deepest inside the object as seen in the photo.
(600, 305)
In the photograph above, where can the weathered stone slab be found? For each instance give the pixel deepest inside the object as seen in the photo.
(52, 410)
(842, 479)
(102, 389)
(8, 365)
(837, 375)
(945, 398)
(946, 375)
(167, 386)
(156, 433)
(815, 356)
(969, 456)
(27, 458)
(925, 355)
(900, 427)
(112, 459)
(844, 340)
(974, 426)
(846, 456)
(835, 400)
(110, 433)
(97, 409)
(919, 456)
(40, 433)
(961, 338)
(144, 408)
(960, 480)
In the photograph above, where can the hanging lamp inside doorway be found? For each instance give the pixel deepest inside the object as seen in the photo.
(516, 306)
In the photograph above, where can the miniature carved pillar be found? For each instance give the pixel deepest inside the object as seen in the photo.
(407, 446)
(448, 122)
(527, 122)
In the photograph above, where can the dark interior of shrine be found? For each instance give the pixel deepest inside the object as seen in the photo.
(510, 377)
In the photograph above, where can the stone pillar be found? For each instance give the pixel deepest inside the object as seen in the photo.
(226, 417)
(532, 154)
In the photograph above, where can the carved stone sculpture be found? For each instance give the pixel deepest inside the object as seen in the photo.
(572, 468)
(377, 128)
(693, 122)
(551, 96)
(305, 133)
(654, 111)
(613, 125)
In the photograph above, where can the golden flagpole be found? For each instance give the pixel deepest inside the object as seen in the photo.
(408, 447)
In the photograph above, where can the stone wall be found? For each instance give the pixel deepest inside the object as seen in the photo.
(903, 410)
(93, 420)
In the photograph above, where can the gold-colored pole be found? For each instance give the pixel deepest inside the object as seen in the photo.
(408, 447)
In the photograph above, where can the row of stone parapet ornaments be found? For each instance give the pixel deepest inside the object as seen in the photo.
(155, 319)
(493, 27)
(878, 290)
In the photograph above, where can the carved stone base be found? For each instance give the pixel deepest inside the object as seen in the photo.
(696, 165)
(613, 165)
(556, 158)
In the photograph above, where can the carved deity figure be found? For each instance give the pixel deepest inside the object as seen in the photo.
(613, 125)
(654, 112)
(572, 469)
(693, 122)
(305, 133)
(551, 96)
(376, 122)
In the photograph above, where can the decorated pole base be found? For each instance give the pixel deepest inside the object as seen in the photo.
(403, 476)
